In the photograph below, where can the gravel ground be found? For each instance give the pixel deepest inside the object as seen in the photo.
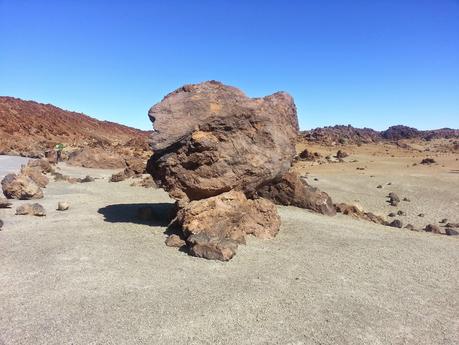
(96, 275)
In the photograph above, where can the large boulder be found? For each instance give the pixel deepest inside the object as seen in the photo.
(20, 187)
(213, 227)
(210, 138)
(35, 174)
(291, 190)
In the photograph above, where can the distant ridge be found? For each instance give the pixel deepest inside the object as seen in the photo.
(30, 128)
(351, 135)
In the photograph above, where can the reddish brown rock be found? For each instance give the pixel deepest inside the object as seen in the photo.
(20, 187)
(307, 155)
(96, 158)
(145, 182)
(35, 174)
(174, 241)
(43, 164)
(225, 140)
(291, 190)
(214, 226)
(357, 212)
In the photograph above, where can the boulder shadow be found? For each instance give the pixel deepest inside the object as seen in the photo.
(154, 214)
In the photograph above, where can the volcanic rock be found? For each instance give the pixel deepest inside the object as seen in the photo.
(213, 227)
(341, 154)
(35, 174)
(428, 161)
(1, 224)
(99, 158)
(174, 241)
(63, 206)
(291, 190)
(4, 203)
(145, 182)
(307, 155)
(225, 140)
(43, 164)
(434, 229)
(31, 209)
(396, 223)
(394, 200)
(20, 187)
(357, 212)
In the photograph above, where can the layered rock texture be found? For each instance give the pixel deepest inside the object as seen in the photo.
(214, 150)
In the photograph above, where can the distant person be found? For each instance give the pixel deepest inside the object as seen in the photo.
(59, 148)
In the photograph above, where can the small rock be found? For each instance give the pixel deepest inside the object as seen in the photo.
(379, 186)
(1, 224)
(392, 214)
(421, 215)
(174, 241)
(396, 223)
(444, 220)
(31, 209)
(410, 227)
(451, 232)
(389, 183)
(406, 199)
(341, 154)
(401, 213)
(86, 179)
(434, 229)
(428, 161)
(452, 225)
(63, 206)
(4, 203)
(316, 179)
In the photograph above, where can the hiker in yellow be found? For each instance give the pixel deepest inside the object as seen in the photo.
(59, 147)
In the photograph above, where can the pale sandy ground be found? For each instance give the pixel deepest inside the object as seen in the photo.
(100, 277)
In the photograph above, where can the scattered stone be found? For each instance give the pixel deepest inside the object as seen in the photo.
(444, 220)
(451, 232)
(394, 200)
(360, 168)
(316, 179)
(4, 203)
(392, 214)
(175, 241)
(452, 225)
(401, 213)
(406, 199)
(396, 223)
(86, 179)
(389, 183)
(410, 227)
(1, 224)
(428, 161)
(356, 211)
(20, 187)
(421, 215)
(145, 182)
(291, 190)
(341, 154)
(434, 229)
(379, 186)
(31, 209)
(63, 206)
(307, 155)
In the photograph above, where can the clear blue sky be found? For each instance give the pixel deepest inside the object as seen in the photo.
(366, 63)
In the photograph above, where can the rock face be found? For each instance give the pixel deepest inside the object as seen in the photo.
(291, 190)
(225, 140)
(215, 226)
(213, 148)
(20, 187)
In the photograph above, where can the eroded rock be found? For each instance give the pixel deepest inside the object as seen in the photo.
(31, 209)
(291, 190)
(20, 187)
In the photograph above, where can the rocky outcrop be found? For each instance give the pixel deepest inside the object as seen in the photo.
(226, 147)
(215, 226)
(225, 140)
(291, 190)
(20, 187)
